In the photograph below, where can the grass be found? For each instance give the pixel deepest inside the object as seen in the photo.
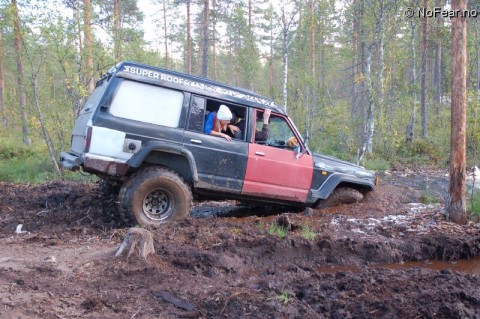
(428, 197)
(279, 231)
(473, 204)
(377, 165)
(31, 164)
(308, 233)
(284, 296)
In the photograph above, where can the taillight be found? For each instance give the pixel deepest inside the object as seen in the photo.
(88, 139)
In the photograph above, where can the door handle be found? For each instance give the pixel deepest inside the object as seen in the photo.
(260, 153)
(195, 141)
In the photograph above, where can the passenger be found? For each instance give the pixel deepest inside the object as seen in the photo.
(261, 136)
(235, 128)
(217, 122)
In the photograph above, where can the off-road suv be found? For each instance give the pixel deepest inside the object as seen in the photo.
(142, 131)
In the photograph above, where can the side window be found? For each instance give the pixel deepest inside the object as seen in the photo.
(201, 107)
(147, 103)
(279, 133)
(197, 114)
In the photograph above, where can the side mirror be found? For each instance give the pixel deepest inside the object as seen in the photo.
(298, 152)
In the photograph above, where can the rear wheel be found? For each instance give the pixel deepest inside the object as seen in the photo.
(341, 195)
(154, 196)
(108, 188)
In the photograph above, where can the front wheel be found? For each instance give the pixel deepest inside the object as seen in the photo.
(154, 196)
(341, 195)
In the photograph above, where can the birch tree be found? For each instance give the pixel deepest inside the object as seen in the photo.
(413, 83)
(289, 20)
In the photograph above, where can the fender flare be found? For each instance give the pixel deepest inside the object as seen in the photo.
(137, 159)
(334, 180)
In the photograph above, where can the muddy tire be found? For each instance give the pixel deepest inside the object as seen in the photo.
(341, 195)
(154, 196)
(108, 188)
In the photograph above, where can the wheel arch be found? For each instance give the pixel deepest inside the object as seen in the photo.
(171, 156)
(342, 180)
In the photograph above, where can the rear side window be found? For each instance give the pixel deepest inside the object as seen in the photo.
(147, 103)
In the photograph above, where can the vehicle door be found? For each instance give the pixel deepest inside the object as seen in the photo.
(221, 164)
(275, 169)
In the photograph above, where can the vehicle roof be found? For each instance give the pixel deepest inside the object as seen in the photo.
(196, 83)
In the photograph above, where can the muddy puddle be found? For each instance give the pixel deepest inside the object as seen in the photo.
(470, 266)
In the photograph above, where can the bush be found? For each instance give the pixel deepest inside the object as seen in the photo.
(473, 204)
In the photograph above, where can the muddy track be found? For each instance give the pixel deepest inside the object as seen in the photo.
(227, 260)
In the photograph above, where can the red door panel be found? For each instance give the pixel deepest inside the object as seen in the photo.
(276, 173)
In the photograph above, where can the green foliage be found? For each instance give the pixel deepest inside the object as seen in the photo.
(22, 163)
(279, 231)
(284, 296)
(473, 204)
(308, 233)
(419, 153)
(29, 163)
(428, 197)
(377, 165)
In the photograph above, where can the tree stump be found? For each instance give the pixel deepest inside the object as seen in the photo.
(137, 237)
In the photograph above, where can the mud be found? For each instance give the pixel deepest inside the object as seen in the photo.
(368, 260)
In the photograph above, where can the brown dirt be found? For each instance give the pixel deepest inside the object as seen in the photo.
(219, 265)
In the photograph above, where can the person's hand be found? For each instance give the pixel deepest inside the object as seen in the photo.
(266, 116)
(292, 142)
(233, 128)
(228, 138)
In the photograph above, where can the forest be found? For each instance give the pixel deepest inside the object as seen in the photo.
(368, 79)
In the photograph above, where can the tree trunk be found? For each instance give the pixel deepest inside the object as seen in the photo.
(3, 114)
(88, 45)
(46, 136)
(381, 53)
(413, 85)
(312, 38)
(285, 66)
(117, 29)
(250, 15)
(369, 129)
(206, 25)
(165, 34)
(270, 59)
(423, 96)
(381, 64)
(21, 87)
(355, 73)
(214, 42)
(457, 188)
(78, 60)
(437, 76)
(189, 40)
(476, 86)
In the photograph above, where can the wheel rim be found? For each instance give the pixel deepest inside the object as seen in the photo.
(158, 204)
